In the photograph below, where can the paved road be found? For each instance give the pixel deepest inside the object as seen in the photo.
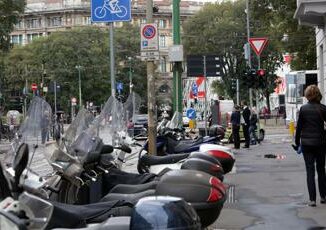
(269, 193)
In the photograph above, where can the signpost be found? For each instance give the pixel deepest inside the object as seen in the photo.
(195, 65)
(149, 44)
(191, 113)
(194, 89)
(105, 11)
(111, 11)
(34, 87)
(258, 44)
(119, 87)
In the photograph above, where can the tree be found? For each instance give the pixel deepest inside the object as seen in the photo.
(9, 13)
(219, 29)
(55, 58)
(276, 18)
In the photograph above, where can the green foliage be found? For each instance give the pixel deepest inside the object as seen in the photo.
(219, 29)
(9, 12)
(275, 19)
(55, 58)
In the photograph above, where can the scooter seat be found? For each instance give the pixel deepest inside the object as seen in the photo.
(133, 188)
(174, 146)
(132, 198)
(149, 160)
(78, 216)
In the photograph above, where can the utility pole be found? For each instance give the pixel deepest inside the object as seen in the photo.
(249, 51)
(130, 76)
(112, 63)
(151, 104)
(79, 86)
(177, 68)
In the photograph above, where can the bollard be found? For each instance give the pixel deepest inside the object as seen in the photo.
(291, 127)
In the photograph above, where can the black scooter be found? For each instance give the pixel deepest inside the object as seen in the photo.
(25, 211)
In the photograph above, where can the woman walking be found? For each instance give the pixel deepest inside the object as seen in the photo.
(310, 134)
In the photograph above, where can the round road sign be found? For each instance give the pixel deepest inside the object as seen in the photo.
(149, 31)
(34, 86)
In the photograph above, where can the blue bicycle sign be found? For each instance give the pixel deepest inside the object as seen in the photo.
(111, 10)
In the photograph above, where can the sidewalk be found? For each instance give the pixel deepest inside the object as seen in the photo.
(269, 193)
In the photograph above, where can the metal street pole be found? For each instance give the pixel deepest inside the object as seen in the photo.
(112, 70)
(205, 101)
(257, 103)
(55, 98)
(79, 86)
(238, 92)
(177, 70)
(249, 50)
(130, 76)
(151, 101)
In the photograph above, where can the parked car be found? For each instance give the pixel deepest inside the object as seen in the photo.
(139, 126)
(228, 138)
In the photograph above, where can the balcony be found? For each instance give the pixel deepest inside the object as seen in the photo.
(311, 12)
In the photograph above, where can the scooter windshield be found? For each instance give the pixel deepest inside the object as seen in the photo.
(110, 121)
(34, 131)
(131, 109)
(176, 121)
(66, 151)
(38, 211)
(80, 123)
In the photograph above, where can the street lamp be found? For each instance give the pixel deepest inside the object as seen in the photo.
(79, 85)
(130, 76)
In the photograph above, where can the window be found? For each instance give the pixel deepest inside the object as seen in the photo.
(31, 37)
(163, 65)
(87, 20)
(162, 23)
(19, 24)
(55, 21)
(162, 41)
(33, 23)
(17, 39)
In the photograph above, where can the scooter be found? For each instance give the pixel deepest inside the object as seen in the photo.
(22, 210)
(83, 156)
(155, 164)
(171, 138)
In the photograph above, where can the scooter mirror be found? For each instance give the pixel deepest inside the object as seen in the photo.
(125, 148)
(20, 161)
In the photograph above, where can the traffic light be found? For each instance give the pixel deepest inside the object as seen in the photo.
(252, 78)
(234, 84)
(261, 78)
(261, 72)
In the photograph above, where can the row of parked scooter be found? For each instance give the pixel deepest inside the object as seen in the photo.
(87, 188)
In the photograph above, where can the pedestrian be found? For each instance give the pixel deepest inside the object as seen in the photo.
(45, 122)
(311, 137)
(246, 122)
(253, 127)
(235, 121)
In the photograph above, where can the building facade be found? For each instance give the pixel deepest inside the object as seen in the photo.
(313, 13)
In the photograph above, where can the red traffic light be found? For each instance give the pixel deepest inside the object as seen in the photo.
(261, 72)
